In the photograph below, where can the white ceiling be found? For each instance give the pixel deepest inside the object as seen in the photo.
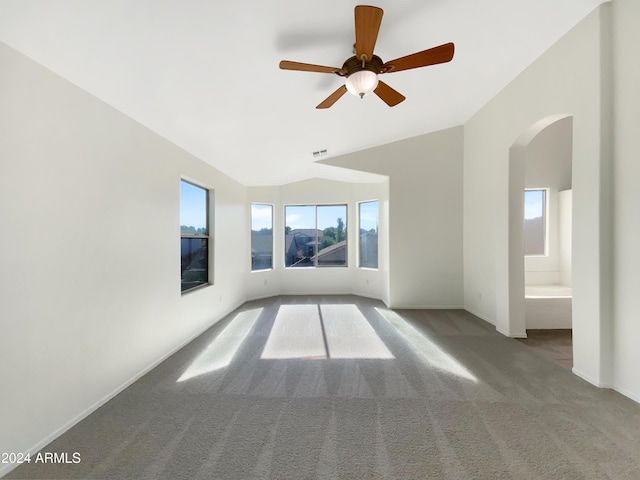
(204, 74)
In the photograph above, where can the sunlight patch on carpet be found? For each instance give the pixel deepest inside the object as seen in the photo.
(221, 351)
(296, 333)
(431, 352)
(350, 335)
(320, 332)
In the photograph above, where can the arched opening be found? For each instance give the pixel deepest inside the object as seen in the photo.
(540, 161)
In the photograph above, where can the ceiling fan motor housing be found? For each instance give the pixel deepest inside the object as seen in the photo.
(354, 64)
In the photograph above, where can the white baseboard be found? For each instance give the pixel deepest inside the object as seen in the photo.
(366, 295)
(635, 396)
(261, 297)
(590, 379)
(498, 329)
(313, 294)
(488, 320)
(430, 307)
(7, 467)
(512, 334)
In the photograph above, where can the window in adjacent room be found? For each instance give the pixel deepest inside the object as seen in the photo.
(261, 237)
(368, 246)
(315, 235)
(194, 236)
(535, 219)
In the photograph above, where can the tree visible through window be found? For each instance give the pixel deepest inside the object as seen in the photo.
(315, 235)
(194, 236)
(535, 222)
(261, 237)
(368, 247)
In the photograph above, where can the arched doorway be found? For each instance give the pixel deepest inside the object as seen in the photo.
(525, 155)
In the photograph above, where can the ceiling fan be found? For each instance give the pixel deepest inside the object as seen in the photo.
(362, 70)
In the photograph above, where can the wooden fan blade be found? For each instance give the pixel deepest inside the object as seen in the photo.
(388, 95)
(432, 56)
(307, 67)
(368, 21)
(333, 98)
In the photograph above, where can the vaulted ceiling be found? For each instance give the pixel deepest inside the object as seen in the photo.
(204, 74)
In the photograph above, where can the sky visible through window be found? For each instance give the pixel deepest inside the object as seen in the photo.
(533, 203)
(304, 216)
(260, 216)
(369, 216)
(534, 222)
(193, 206)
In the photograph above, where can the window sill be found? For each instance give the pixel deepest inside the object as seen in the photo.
(316, 267)
(195, 289)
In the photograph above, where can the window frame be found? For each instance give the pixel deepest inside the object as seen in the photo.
(272, 236)
(315, 262)
(545, 223)
(359, 249)
(208, 237)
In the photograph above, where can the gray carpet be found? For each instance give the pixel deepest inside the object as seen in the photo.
(422, 394)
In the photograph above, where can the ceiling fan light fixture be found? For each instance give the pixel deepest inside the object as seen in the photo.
(361, 83)
(362, 69)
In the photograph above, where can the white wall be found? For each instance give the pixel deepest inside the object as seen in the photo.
(425, 216)
(565, 208)
(548, 162)
(548, 313)
(89, 252)
(567, 79)
(626, 195)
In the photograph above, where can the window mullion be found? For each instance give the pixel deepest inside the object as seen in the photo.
(317, 246)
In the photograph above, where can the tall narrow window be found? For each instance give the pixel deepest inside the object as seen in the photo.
(332, 235)
(261, 237)
(315, 235)
(194, 236)
(535, 220)
(368, 247)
